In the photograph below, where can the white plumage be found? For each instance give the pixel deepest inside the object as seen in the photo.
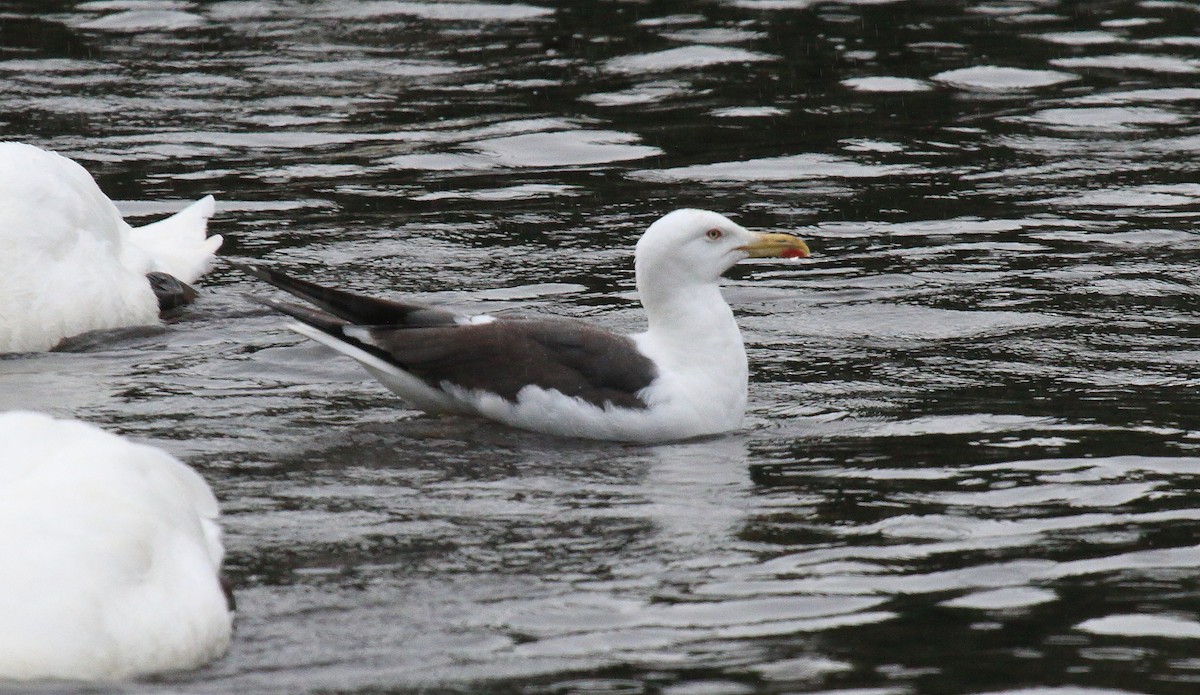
(69, 262)
(685, 376)
(109, 556)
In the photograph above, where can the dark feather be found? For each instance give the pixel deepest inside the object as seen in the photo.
(499, 357)
(503, 357)
(171, 292)
(355, 308)
(321, 320)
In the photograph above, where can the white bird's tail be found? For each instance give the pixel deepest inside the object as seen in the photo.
(179, 245)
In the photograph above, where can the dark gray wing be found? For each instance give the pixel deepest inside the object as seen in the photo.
(500, 357)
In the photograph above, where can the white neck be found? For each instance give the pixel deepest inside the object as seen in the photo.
(696, 316)
(698, 347)
(692, 330)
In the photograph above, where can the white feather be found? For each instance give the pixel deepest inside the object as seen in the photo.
(109, 556)
(70, 263)
(691, 337)
(400, 382)
(178, 245)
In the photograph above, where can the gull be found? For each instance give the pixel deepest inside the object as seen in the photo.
(685, 376)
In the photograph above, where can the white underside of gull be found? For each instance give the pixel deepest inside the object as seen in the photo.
(700, 389)
(70, 263)
(109, 556)
(398, 381)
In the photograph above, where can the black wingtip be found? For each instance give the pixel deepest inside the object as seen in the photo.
(354, 308)
(303, 289)
(316, 318)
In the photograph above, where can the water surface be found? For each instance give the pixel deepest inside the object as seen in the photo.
(970, 459)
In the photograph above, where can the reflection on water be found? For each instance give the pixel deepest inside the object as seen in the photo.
(970, 455)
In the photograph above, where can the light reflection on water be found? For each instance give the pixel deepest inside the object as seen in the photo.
(970, 456)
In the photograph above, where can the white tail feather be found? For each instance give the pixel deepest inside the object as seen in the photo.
(179, 245)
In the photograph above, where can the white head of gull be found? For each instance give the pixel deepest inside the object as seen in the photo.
(71, 264)
(110, 556)
(685, 376)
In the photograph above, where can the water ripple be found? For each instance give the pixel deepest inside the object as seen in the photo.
(684, 57)
(456, 11)
(972, 437)
(992, 78)
(786, 168)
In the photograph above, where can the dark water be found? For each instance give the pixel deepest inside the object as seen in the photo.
(970, 460)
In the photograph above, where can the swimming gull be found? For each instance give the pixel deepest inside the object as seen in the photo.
(684, 376)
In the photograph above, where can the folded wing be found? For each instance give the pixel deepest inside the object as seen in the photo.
(453, 353)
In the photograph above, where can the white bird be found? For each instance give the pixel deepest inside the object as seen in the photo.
(109, 556)
(70, 264)
(685, 376)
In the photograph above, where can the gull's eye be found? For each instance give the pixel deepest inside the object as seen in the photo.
(714, 234)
